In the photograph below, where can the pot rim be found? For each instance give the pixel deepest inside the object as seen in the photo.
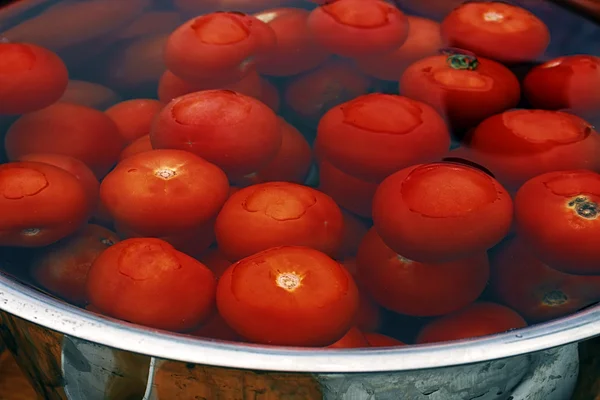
(38, 308)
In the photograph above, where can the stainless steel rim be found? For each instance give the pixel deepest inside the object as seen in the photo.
(26, 303)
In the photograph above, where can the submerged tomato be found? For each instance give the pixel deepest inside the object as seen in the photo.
(353, 339)
(379, 340)
(134, 117)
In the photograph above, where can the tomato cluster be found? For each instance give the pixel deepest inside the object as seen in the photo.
(311, 175)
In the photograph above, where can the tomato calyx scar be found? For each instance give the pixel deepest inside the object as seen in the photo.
(165, 173)
(462, 62)
(30, 232)
(289, 281)
(555, 298)
(107, 242)
(584, 207)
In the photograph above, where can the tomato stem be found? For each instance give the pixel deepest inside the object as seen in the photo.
(462, 61)
(555, 298)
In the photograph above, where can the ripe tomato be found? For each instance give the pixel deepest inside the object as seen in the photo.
(354, 28)
(63, 267)
(269, 95)
(140, 145)
(90, 95)
(464, 89)
(537, 292)
(167, 191)
(146, 281)
(278, 214)
(216, 328)
(296, 50)
(520, 144)
(558, 215)
(419, 289)
(565, 82)
(300, 296)
(134, 117)
(496, 30)
(478, 319)
(39, 204)
(236, 132)
(356, 139)
(424, 39)
(353, 339)
(441, 212)
(215, 261)
(67, 129)
(369, 316)
(379, 340)
(354, 231)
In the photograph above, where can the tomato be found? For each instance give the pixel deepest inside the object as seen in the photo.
(140, 145)
(436, 9)
(278, 214)
(520, 144)
(565, 82)
(67, 129)
(353, 339)
(478, 319)
(415, 288)
(216, 328)
(296, 50)
(441, 212)
(134, 117)
(352, 193)
(537, 292)
(313, 93)
(90, 95)
(236, 132)
(63, 267)
(146, 281)
(356, 139)
(39, 204)
(215, 261)
(424, 39)
(150, 23)
(354, 230)
(352, 28)
(269, 94)
(379, 340)
(464, 89)
(496, 30)
(369, 316)
(219, 45)
(31, 78)
(171, 86)
(167, 191)
(558, 215)
(288, 296)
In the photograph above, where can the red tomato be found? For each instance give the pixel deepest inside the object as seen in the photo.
(63, 268)
(219, 45)
(31, 78)
(278, 214)
(269, 94)
(140, 145)
(520, 144)
(354, 231)
(236, 132)
(352, 193)
(353, 339)
(565, 82)
(496, 30)
(354, 28)
(39, 204)
(296, 50)
(537, 292)
(215, 261)
(299, 296)
(369, 316)
(171, 86)
(148, 282)
(167, 191)
(436, 9)
(465, 90)
(478, 319)
(90, 95)
(424, 39)
(441, 212)
(216, 328)
(134, 117)
(356, 139)
(67, 129)
(379, 340)
(419, 289)
(558, 215)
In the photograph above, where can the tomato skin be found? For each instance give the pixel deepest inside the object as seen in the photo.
(90, 95)
(140, 145)
(316, 312)
(369, 316)
(379, 340)
(537, 292)
(425, 221)
(565, 82)
(146, 281)
(463, 97)
(519, 36)
(419, 289)
(273, 214)
(352, 28)
(269, 94)
(32, 77)
(58, 198)
(63, 267)
(134, 117)
(215, 261)
(561, 232)
(518, 145)
(354, 138)
(478, 319)
(216, 328)
(240, 140)
(354, 231)
(168, 191)
(353, 339)
(67, 129)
